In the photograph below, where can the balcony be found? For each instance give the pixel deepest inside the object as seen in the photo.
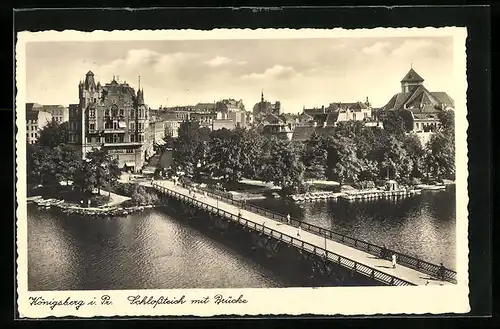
(115, 131)
(122, 144)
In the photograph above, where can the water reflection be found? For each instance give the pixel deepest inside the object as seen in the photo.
(422, 226)
(143, 251)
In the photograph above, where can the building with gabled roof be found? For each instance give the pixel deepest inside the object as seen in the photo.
(418, 106)
(113, 117)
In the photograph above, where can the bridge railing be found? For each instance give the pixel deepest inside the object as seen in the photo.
(420, 265)
(312, 249)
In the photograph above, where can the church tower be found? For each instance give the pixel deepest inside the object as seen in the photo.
(411, 81)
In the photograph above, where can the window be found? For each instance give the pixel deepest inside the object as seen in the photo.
(36, 135)
(95, 100)
(92, 126)
(122, 113)
(108, 125)
(132, 126)
(132, 113)
(115, 125)
(115, 138)
(132, 138)
(130, 151)
(106, 113)
(31, 135)
(114, 110)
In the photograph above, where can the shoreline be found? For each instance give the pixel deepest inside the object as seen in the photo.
(69, 209)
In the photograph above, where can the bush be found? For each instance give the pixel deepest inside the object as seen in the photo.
(363, 185)
(141, 197)
(416, 181)
(99, 200)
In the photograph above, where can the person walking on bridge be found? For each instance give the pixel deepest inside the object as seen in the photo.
(441, 272)
(393, 260)
(298, 231)
(288, 219)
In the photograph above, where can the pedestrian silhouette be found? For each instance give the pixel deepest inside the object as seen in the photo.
(441, 271)
(298, 231)
(393, 260)
(288, 218)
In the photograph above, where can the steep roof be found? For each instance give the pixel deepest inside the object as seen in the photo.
(273, 119)
(287, 117)
(412, 76)
(443, 98)
(303, 133)
(420, 100)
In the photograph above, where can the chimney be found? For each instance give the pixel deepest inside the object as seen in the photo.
(323, 108)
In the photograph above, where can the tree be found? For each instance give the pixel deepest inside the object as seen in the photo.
(416, 154)
(97, 171)
(394, 123)
(347, 164)
(350, 129)
(440, 158)
(53, 134)
(314, 157)
(447, 119)
(226, 155)
(185, 148)
(40, 164)
(395, 164)
(66, 162)
(284, 166)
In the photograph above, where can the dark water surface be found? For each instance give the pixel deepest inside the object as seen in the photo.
(149, 250)
(153, 250)
(422, 226)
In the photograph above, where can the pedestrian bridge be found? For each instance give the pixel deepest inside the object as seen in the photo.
(362, 257)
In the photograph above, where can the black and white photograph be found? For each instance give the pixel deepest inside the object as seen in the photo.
(211, 172)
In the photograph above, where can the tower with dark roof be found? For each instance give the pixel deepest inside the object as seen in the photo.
(411, 81)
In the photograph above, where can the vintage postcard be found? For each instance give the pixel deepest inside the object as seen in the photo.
(242, 172)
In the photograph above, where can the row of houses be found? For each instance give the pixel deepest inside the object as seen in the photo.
(114, 116)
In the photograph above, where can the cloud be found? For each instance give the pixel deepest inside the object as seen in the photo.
(377, 48)
(422, 48)
(276, 72)
(218, 61)
(150, 65)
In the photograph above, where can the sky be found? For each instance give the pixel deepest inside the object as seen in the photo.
(297, 72)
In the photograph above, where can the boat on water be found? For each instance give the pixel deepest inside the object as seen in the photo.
(432, 187)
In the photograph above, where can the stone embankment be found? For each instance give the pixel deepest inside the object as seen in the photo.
(100, 212)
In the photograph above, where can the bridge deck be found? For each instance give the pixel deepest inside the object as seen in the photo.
(361, 257)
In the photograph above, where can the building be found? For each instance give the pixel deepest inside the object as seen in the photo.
(59, 113)
(263, 108)
(338, 112)
(172, 128)
(275, 125)
(36, 120)
(223, 124)
(113, 117)
(231, 109)
(203, 117)
(418, 106)
(156, 132)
